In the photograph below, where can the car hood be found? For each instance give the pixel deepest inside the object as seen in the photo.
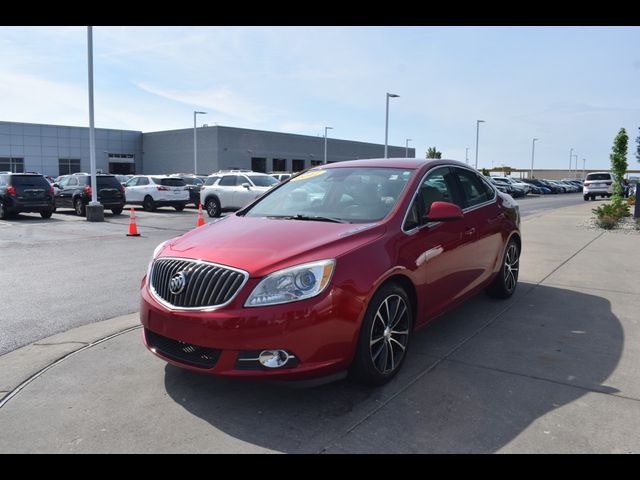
(262, 245)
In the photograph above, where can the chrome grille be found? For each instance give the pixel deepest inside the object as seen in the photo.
(207, 284)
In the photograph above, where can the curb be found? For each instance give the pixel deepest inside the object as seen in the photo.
(26, 363)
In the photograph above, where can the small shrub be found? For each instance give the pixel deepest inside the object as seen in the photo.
(631, 200)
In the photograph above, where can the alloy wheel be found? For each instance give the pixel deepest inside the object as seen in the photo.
(389, 334)
(511, 267)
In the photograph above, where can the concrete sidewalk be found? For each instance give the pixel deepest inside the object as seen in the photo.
(554, 369)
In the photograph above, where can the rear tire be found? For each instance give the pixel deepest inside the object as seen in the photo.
(116, 211)
(586, 198)
(506, 280)
(148, 204)
(213, 207)
(46, 213)
(79, 207)
(179, 208)
(384, 336)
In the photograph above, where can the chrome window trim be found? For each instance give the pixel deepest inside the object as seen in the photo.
(464, 210)
(212, 308)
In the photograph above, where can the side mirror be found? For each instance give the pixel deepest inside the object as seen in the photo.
(247, 186)
(443, 212)
(56, 185)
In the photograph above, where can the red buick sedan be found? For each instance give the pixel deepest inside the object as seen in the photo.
(331, 271)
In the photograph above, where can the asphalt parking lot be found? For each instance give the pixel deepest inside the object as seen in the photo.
(65, 272)
(552, 370)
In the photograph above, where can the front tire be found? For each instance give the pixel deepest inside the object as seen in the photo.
(384, 336)
(4, 214)
(148, 204)
(506, 280)
(213, 207)
(79, 207)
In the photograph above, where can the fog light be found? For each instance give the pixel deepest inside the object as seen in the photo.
(273, 358)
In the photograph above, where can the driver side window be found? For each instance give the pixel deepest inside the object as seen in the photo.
(436, 187)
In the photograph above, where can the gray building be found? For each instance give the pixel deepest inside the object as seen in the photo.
(57, 150)
(227, 147)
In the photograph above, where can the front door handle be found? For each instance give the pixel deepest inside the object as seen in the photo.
(470, 231)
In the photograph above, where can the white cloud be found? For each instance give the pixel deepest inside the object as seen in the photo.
(221, 101)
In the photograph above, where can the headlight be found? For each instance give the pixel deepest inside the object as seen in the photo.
(292, 284)
(156, 252)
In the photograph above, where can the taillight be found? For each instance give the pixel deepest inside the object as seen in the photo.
(11, 191)
(121, 188)
(162, 189)
(586, 183)
(87, 190)
(52, 191)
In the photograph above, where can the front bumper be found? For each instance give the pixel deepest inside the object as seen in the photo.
(321, 333)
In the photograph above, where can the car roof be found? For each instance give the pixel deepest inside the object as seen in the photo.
(408, 163)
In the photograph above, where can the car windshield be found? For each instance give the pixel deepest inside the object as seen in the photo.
(262, 180)
(350, 194)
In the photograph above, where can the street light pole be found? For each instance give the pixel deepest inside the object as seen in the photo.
(584, 172)
(406, 147)
(477, 136)
(466, 155)
(533, 152)
(95, 210)
(570, 159)
(386, 123)
(325, 144)
(576, 169)
(195, 143)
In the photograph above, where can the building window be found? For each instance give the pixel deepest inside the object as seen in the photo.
(259, 164)
(10, 164)
(297, 165)
(315, 163)
(279, 164)
(67, 166)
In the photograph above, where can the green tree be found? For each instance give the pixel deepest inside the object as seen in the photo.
(619, 160)
(433, 153)
(485, 172)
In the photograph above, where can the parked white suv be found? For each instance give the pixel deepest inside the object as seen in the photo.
(597, 183)
(152, 191)
(233, 189)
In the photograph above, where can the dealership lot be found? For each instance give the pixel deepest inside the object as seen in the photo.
(66, 272)
(551, 370)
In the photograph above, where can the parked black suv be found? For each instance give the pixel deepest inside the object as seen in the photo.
(194, 185)
(75, 192)
(21, 192)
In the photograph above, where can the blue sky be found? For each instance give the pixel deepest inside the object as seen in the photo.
(571, 87)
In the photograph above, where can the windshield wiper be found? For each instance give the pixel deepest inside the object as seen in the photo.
(316, 218)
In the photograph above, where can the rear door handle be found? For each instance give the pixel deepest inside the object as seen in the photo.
(470, 231)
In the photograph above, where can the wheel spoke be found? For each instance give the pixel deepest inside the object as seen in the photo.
(373, 342)
(399, 332)
(397, 343)
(399, 317)
(386, 304)
(393, 364)
(377, 354)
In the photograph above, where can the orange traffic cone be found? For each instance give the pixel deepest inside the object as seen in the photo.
(133, 228)
(200, 216)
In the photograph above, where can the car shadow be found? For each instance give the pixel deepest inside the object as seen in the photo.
(474, 380)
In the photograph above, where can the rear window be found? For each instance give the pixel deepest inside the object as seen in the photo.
(108, 182)
(172, 182)
(599, 176)
(29, 181)
(3, 179)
